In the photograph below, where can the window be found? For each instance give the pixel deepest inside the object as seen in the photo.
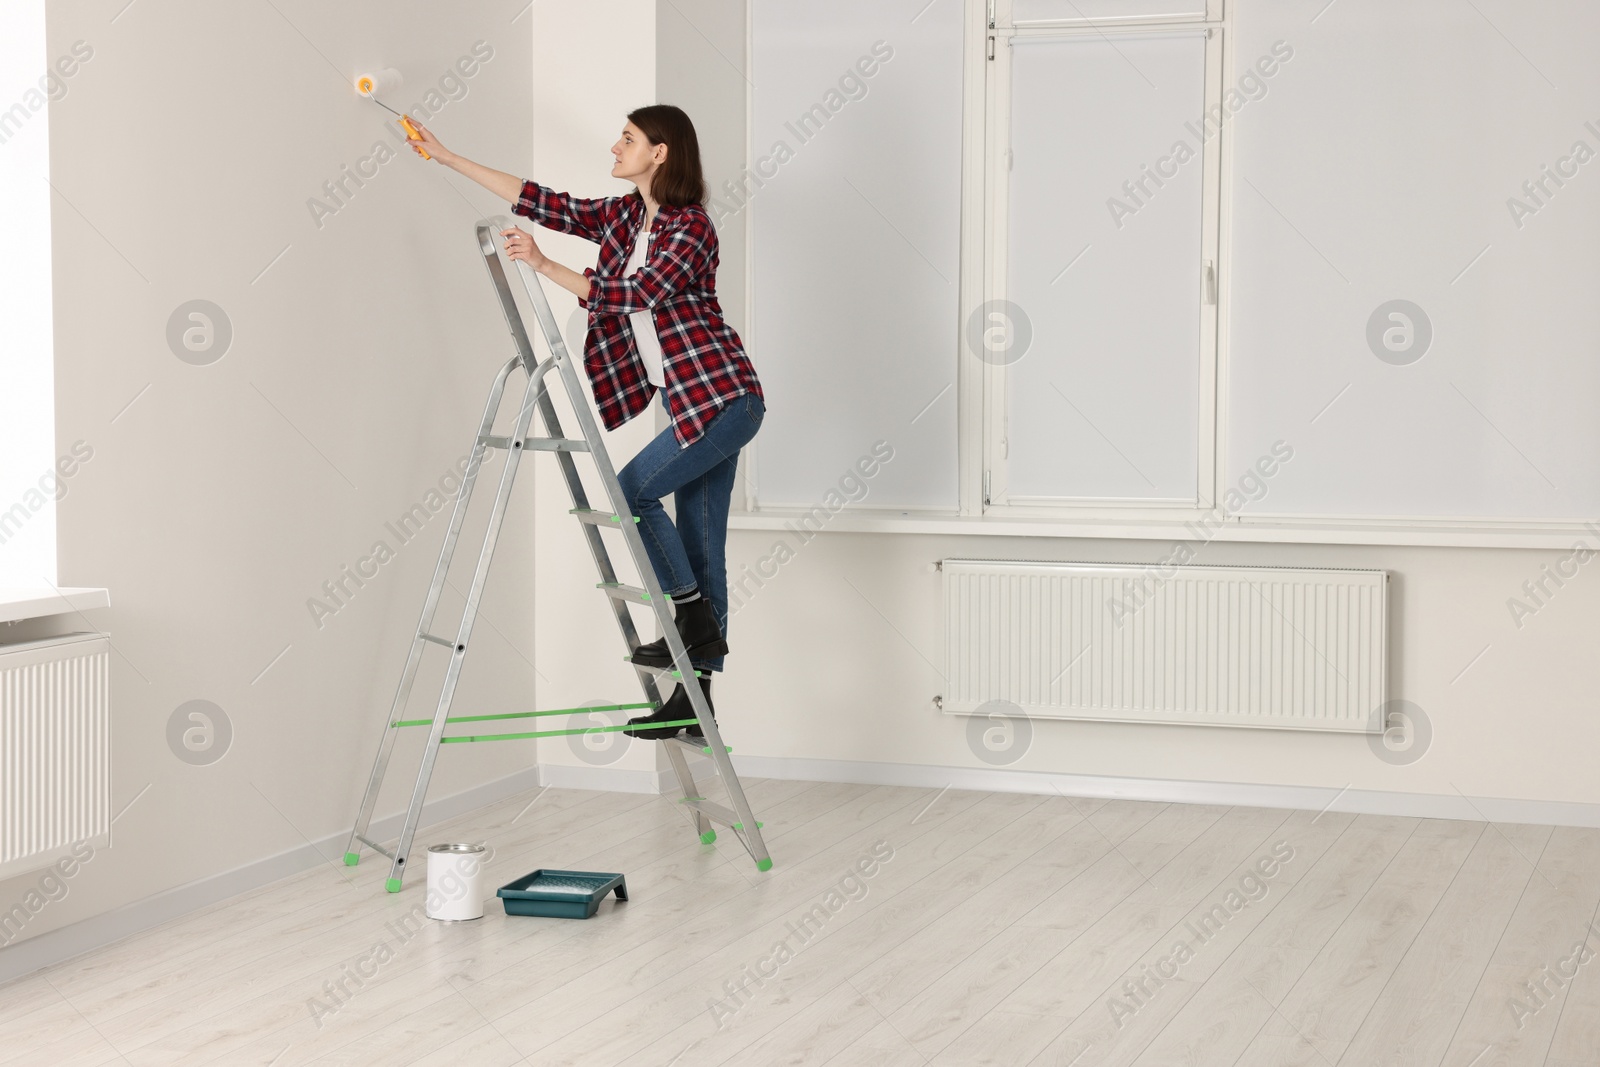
(1100, 331)
(27, 401)
(1190, 250)
(865, 152)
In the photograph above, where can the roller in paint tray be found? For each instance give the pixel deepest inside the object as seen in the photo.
(387, 81)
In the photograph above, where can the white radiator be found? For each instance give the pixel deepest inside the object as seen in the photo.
(1278, 647)
(55, 749)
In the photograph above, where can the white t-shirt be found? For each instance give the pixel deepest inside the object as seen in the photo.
(643, 322)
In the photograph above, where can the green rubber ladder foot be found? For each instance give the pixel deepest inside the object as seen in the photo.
(392, 885)
(708, 837)
(352, 858)
(707, 749)
(740, 825)
(764, 865)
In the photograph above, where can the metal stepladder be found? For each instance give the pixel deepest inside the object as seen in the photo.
(536, 394)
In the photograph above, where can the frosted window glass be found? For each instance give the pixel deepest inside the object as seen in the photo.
(855, 242)
(1103, 403)
(1479, 399)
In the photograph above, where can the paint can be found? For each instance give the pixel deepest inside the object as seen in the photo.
(455, 882)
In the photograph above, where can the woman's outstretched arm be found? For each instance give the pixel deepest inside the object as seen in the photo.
(505, 186)
(547, 207)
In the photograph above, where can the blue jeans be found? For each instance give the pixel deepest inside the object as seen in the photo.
(700, 477)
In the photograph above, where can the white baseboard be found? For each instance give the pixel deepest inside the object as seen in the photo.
(30, 954)
(606, 779)
(1177, 791)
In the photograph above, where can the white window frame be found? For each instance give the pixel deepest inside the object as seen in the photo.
(991, 378)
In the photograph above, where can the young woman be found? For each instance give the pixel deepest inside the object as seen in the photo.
(655, 326)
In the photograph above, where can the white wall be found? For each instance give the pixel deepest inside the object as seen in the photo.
(835, 661)
(579, 117)
(221, 496)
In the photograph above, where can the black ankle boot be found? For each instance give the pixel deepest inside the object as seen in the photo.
(697, 626)
(676, 708)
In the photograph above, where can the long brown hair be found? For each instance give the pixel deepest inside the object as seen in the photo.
(679, 181)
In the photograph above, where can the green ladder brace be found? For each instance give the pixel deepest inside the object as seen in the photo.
(536, 394)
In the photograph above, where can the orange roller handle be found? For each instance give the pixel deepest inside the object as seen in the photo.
(411, 132)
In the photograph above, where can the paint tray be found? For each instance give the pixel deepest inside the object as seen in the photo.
(561, 894)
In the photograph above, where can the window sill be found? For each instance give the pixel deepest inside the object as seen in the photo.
(18, 604)
(1416, 532)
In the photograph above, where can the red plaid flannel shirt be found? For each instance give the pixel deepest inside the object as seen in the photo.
(703, 360)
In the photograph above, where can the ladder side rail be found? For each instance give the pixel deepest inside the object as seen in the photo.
(508, 303)
(608, 478)
(429, 607)
(552, 424)
(480, 574)
(680, 767)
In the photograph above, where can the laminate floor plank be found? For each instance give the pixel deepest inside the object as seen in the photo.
(1319, 1015)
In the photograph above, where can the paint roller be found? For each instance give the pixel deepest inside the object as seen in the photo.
(386, 81)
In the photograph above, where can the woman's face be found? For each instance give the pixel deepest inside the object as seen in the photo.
(636, 157)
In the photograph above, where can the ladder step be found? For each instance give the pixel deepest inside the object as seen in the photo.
(374, 845)
(712, 810)
(619, 591)
(561, 733)
(526, 714)
(556, 444)
(659, 670)
(437, 640)
(698, 744)
(598, 518)
(543, 444)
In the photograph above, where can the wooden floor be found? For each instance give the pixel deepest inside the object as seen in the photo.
(1000, 929)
